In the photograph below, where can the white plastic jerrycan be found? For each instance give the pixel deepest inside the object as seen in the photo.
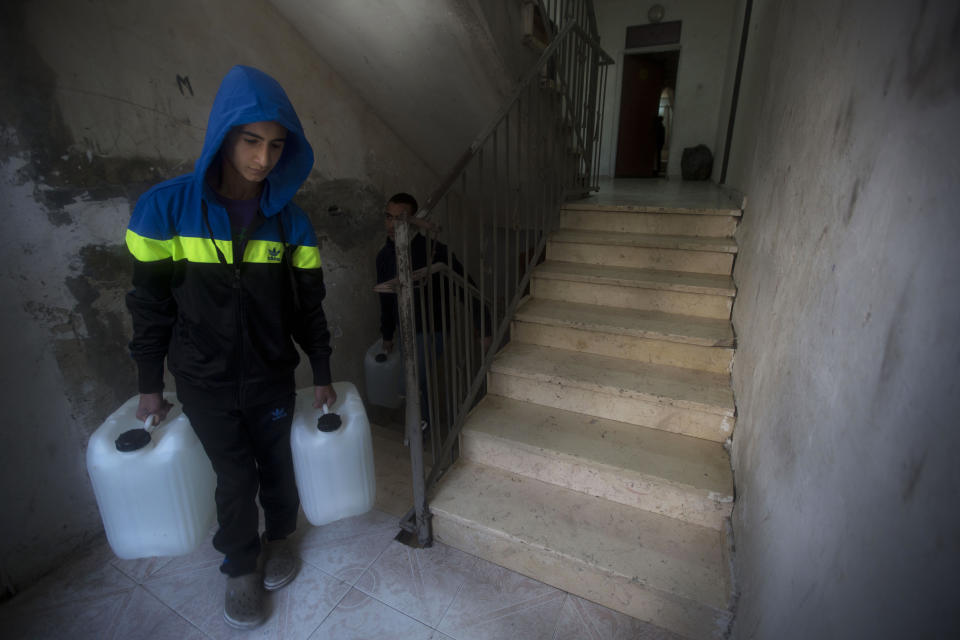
(154, 485)
(333, 456)
(383, 373)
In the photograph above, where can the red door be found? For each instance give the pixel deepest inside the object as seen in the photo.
(643, 78)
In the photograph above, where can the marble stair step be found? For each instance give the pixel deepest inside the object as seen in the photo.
(643, 251)
(698, 390)
(674, 475)
(675, 292)
(682, 224)
(687, 201)
(645, 240)
(647, 336)
(695, 403)
(652, 567)
(679, 281)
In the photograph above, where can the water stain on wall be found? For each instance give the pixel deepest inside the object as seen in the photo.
(347, 212)
(34, 129)
(893, 349)
(854, 195)
(843, 125)
(26, 102)
(76, 176)
(783, 439)
(347, 215)
(96, 366)
(912, 470)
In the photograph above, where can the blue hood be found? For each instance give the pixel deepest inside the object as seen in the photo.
(249, 95)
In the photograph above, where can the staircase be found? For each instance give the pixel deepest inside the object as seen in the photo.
(595, 463)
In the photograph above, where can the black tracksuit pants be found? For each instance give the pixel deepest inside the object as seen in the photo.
(250, 451)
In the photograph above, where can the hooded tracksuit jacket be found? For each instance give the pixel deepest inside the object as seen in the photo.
(224, 316)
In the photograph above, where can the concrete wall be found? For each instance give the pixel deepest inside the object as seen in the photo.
(700, 107)
(847, 373)
(91, 114)
(503, 24)
(435, 70)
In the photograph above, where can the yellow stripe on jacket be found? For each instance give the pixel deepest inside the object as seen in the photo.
(202, 250)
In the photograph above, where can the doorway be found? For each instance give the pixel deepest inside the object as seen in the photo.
(646, 107)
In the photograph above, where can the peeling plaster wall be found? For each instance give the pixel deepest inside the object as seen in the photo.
(847, 373)
(704, 70)
(99, 100)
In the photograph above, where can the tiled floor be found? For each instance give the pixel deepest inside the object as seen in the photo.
(356, 582)
(661, 193)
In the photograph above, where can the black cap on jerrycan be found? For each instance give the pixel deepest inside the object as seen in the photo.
(136, 439)
(329, 421)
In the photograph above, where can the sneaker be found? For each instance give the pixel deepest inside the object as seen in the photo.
(243, 606)
(280, 565)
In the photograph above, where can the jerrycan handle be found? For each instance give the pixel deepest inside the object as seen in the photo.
(328, 422)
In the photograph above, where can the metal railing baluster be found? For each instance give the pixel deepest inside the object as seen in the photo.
(500, 202)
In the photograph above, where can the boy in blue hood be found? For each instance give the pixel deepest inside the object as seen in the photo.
(226, 276)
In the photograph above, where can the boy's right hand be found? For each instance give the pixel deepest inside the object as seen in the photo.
(387, 346)
(153, 404)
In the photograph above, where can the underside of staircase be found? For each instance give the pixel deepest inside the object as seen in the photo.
(596, 461)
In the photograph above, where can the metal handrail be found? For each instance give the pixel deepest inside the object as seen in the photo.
(498, 204)
(484, 135)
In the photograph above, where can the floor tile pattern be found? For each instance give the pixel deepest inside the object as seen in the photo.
(356, 583)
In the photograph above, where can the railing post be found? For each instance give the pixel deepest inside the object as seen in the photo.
(408, 341)
(590, 125)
